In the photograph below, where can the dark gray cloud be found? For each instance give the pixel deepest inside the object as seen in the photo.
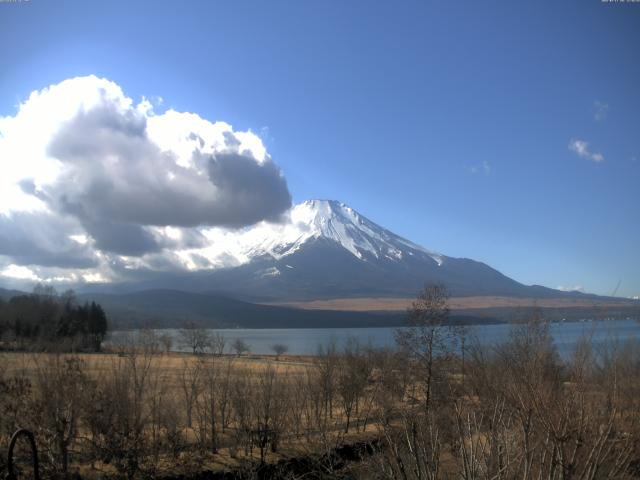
(116, 181)
(121, 238)
(248, 192)
(42, 239)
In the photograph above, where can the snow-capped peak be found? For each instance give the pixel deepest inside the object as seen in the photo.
(340, 223)
(313, 219)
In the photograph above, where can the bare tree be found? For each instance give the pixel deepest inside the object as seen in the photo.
(327, 361)
(60, 383)
(279, 349)
(166, 341)
(241, 396)
(412, 449)
(211, 403)
(189, 378)
(218, 344)
(224, 389)
(429, 338)
(353, 376)
(269, 410)
(148, 340)
(240, 346)
(195, 337)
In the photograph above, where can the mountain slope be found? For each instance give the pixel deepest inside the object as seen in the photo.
(336, 252)
(328, 250)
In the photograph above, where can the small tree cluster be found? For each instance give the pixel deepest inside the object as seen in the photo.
(44, 317)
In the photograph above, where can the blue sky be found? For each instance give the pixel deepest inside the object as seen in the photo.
(449, 123)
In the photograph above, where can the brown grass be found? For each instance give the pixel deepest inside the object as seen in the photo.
(172, 363)
(367, 304)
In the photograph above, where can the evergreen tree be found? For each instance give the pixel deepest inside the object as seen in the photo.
(45, 316)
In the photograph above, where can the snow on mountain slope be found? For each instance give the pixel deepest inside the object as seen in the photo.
(310, 220)
(357, 234)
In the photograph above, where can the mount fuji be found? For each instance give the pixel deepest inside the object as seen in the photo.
(327, 250)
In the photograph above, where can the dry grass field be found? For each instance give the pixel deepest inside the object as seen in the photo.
(171, 364)
(455, 303)
(257, 392)
(513, 411)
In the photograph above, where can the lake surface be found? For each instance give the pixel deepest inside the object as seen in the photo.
(305, 341)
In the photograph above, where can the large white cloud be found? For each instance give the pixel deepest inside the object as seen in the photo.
(89, 180)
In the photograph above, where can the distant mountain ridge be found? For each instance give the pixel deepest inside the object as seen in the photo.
(7, 294)
(171, 308)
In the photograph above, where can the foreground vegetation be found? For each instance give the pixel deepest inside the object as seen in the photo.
(438, 406)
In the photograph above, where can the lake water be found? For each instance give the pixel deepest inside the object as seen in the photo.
(305, 341)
